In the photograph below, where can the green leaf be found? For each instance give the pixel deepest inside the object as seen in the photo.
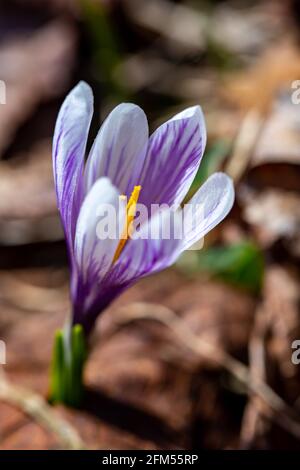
(57, 389)
(241, 264)
(68, 360)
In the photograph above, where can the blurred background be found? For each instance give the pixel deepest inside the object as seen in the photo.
(225, 379)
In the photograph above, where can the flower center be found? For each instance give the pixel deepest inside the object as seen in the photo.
(130, 215)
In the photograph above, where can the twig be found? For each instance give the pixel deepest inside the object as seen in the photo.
(252, 423)
(283, 415)
(37, 408)
(244, 144)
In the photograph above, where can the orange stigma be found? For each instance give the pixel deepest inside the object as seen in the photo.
(130, 215)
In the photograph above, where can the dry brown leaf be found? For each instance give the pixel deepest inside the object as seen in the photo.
(135, 375)
(27, 198)
(275, 158)
(257, 86)
(33, 72)
(245, 29)
(148, 359)
(27, 187)
(274, 215)
(281, 304)
(280, 138)
(181, 28)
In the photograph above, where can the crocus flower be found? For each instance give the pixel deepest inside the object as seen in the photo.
(125, 161)
(124, 164)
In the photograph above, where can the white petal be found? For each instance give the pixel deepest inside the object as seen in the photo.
(119, 148)
(69, 143)
(207, 208)
(94, 255)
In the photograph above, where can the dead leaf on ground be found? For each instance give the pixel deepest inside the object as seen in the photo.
(132, 391)
(277, 325)
(27, 198)
(275, 157)
(245, 30)
(254, 88)
(274, 215)
(33, 72)
(279, 140)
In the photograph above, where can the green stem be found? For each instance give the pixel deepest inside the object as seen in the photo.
(68, 360)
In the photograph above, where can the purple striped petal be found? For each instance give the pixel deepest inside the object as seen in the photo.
(69, 144)
(144, 256)
(155, 248)
(207, 208)
(173, 158)
(119, 148)
(94, 256)
(140, 257)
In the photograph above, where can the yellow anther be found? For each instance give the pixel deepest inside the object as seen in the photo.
(130, 215)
